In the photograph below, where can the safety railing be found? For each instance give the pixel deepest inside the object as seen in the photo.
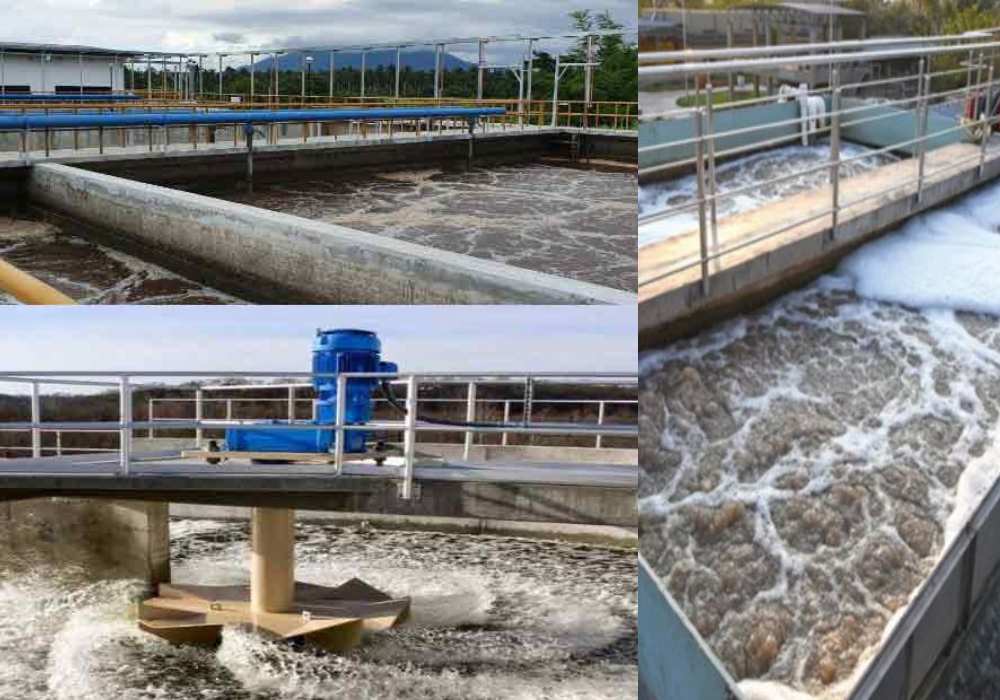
(977, 128)
(473, 404)
(157, 126)
(410, 426)
(523, 116)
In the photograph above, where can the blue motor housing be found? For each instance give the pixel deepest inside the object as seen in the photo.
(335, 351)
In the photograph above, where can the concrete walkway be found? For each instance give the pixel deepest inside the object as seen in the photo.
(671, 299)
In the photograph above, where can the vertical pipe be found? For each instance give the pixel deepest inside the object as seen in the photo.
(699, 157)
(220, 78)
(229, 409)
(470, 416)
(149, 76)
(531, 68)
(80, 60)
(3, 73)
(332, 71)
(398, 69)
(199, 413)
(125, 418)
(252, 71)
(835, 153)
(302, 66)
(481, 68)
(36, 418)
(555, 92)
(341, 408)
(59, 443)
(506, 420)
(409, 437)
(987, 121)
(272, 565)
(600, 421)
(922, 144)
(149, 414)
(712, 186)
(729, 45)
(437, 70)
(291, 403)
(201, 76)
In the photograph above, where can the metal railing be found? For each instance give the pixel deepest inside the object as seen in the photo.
(409, 426)
(520, 116)
(472, 403)
(980, 58)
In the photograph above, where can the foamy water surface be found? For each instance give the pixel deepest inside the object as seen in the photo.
(492, 617)
(804, 466)
(758, 168)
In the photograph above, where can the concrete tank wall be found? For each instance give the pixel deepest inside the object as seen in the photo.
(119, 538)
(269, 256)
(678, 129)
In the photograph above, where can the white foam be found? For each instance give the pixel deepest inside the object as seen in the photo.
(949, 258)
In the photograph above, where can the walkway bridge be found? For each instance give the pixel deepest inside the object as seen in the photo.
(708, 266)
(573, 473)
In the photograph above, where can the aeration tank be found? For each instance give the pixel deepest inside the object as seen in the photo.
(334, 351)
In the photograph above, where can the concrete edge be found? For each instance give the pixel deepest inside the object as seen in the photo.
(626, 538)
(453, 277)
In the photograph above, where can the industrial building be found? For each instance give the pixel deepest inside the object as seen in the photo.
(61, 69)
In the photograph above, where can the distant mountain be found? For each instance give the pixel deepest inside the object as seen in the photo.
(418, 59)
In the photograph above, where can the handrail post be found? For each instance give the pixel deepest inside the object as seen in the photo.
(987, 121)
(699, 157)
(835, 152)
(199, 412)
(125, 420)
(922, 144)
(600, 421)
(409, 438)
(712, 187)
(36, 418)
(341, 409)
(470, 416)
(149, 413)
(506, 419)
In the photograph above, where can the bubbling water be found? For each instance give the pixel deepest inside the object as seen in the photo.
(804, 466)
(492, 617)
(761, 168)
(564, 221)
(92, 273)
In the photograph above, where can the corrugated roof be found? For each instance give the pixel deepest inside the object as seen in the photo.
(27, 47)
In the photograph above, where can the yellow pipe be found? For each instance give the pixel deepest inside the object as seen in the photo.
(28, 290)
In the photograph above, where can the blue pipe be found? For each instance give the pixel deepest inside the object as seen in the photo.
(65, 97)
(73, 121)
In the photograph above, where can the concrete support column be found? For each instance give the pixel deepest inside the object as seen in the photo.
(272, 566)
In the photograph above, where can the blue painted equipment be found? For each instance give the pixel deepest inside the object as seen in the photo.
(334, 351)
(136, 119)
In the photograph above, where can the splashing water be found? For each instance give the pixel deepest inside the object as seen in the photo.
(805, 465)
(734, 174)
(492, 617)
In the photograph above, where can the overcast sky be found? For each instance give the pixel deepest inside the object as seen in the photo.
(278, 338)
(210, 25)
